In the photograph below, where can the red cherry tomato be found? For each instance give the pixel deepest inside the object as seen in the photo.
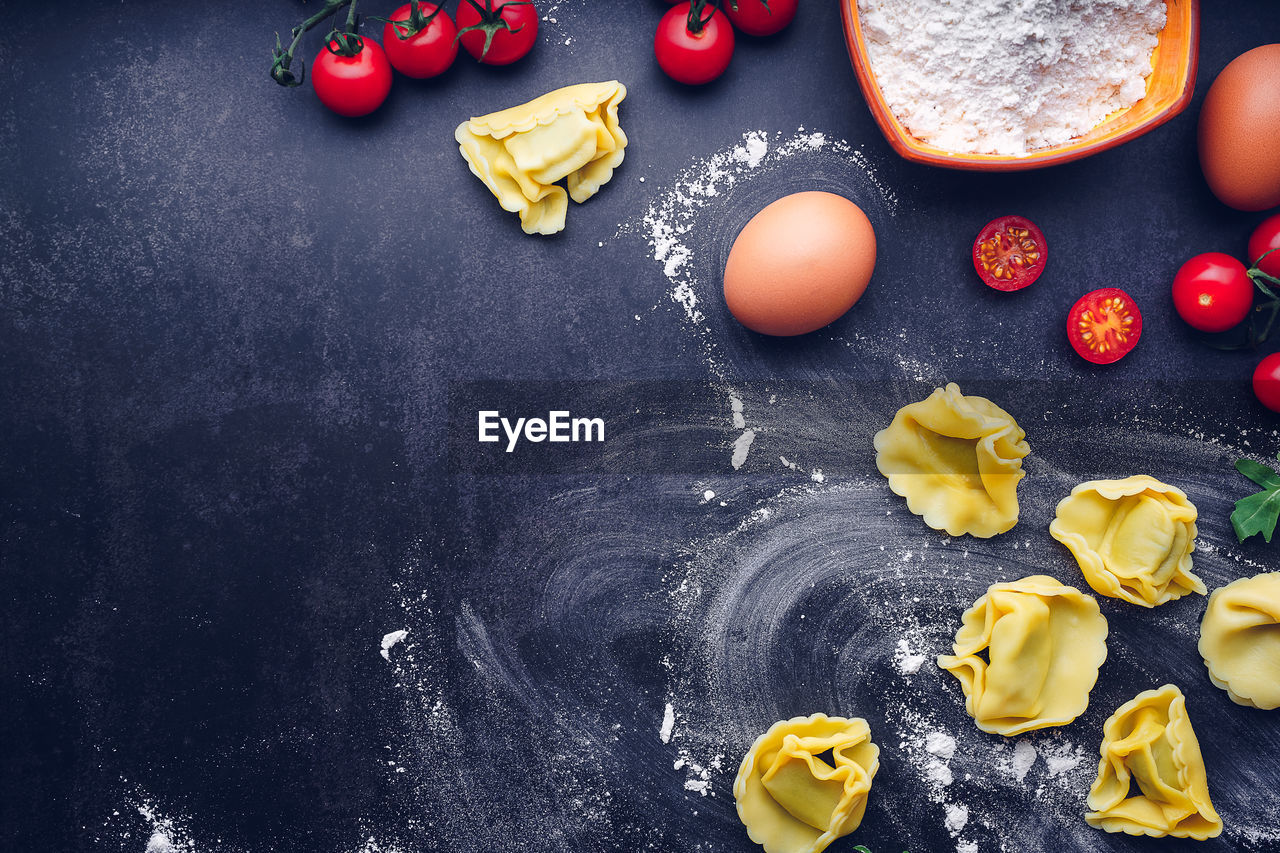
(430, 50)
(1266, 382)
(755, 18)
(1104, 325)
(1265, 238)
(1212, 292)
(689, 57)
(352, 85)
(497, 32)
(1010, 253)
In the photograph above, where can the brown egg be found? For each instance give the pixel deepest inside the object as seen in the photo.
(799, 264)
(1238, 151)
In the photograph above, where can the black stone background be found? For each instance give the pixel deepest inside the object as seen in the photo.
(231, 323)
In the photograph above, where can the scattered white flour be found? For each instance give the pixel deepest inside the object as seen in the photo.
(956, 819)
(708, 496)
(940, 744)
(1061, 758)
(1009, 76)
(668, 723)
(1019, 764)
(390, 640)
(741, 447)
(909, 661)
(697, 774)
(742, 444)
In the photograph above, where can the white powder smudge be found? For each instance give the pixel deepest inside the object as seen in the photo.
(389, 642)
(967, 847)
(940, 744)
(1024, 756)
(708, 496)
(1061, 758)
(668, 723)
(741, 447)
(698, 776)
(956, 819)
(742, 444)
(906, 659)
(167, 835)
(755, 145)
(817, 476)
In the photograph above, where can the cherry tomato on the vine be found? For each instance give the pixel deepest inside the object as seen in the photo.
(1103, 326)
(1213, 292)
(692, 57)
(756, 18)
(352, 85)
(497, 32)
(1266, 382)
(427, 52)
(1010, 253)
(1265, 238)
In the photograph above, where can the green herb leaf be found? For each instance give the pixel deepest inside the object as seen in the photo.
(1263, 475)
(1257, 514)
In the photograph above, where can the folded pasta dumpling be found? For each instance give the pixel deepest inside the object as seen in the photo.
(520, 153)
(791, 798)
(1133, 538)
(1240, 640)
(1044, 643)
(957, 460)
(1149, 741)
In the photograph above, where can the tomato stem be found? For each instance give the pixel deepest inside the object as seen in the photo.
(282, 60)
(696, 22)
(414, 24)
(491, 21)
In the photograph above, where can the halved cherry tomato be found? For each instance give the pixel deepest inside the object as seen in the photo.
(1213, 292)
(1266, 381)
(760, 17)
(1265, 238)
(352, 85)
(1010, 253)
(692, 57)
(1104, 325)
(429, 50)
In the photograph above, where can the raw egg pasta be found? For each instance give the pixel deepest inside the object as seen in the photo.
(790, 799)
(1240, 640)
(1132, 538)
(957, 460)
(1044, 643)
(1149, 743)
(520, 153)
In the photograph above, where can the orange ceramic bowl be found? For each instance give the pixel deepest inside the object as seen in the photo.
(1169, 90)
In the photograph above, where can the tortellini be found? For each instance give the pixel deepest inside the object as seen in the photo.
(1149, 740)
(520, 153)
(790, 799)
(1133, 538)
(1240, 640)
(957, 460)
(1045, 642)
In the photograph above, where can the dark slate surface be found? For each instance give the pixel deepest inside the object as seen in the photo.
(232, 328)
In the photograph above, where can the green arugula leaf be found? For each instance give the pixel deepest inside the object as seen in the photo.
(1261, 474)
(1257, 514)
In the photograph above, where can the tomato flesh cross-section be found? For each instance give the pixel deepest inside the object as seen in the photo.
(1010, 253)
(1105, 325)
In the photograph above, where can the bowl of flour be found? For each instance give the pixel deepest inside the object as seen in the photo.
(1020, 84)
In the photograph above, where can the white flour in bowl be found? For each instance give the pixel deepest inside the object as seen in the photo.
(1009, 76)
